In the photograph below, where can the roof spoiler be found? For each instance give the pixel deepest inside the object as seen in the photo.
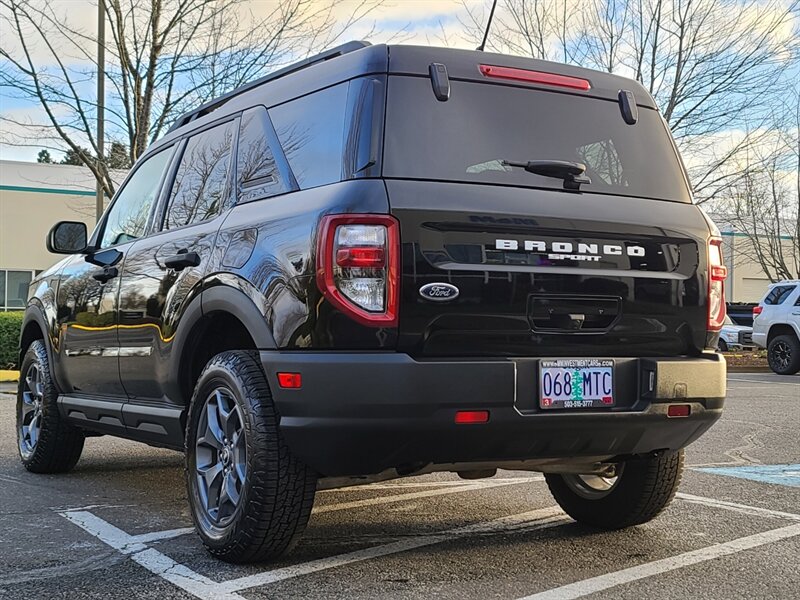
(212, 105)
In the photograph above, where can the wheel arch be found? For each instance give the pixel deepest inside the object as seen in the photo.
(221, 318)
(780, 329)
(34, 327)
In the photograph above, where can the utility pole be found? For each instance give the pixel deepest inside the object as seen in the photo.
(101, 102)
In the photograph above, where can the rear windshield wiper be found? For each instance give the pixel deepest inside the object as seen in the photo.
(572, 173)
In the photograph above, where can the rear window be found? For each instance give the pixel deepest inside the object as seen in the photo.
(467, 138)
(778, 294)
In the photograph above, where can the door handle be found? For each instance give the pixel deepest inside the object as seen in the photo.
(182, 259)
(104, 274)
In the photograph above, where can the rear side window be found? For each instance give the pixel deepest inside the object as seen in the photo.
(201, 181)
(257, 174)
(468, 137)
(778, 294)
(311, 133)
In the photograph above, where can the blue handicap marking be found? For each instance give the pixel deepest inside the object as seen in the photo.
(777, 474)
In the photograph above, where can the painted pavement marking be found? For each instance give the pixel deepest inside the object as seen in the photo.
(579, 589)
(207, 589)
(788, 475)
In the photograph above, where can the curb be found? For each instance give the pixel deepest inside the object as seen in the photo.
(7, 376)
(743, 369)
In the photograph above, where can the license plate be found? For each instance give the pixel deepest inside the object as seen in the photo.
(576, 383)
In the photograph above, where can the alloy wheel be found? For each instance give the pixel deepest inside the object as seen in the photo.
(781, 355)
(593, 487)
(30, 417)
(220, 457)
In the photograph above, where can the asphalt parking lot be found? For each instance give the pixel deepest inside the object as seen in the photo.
(118, 527)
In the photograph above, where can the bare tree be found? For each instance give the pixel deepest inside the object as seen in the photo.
(162, 57)
(711, 65)
(764, 203)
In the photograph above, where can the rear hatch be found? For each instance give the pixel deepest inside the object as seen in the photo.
(616, 268)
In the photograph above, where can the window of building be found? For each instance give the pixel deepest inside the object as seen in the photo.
(311, 133)
(201, 181)
(257, 172)
(14, 289)
(127, 217)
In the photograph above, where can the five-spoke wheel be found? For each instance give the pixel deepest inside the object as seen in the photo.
(221, 456)
(30, 410)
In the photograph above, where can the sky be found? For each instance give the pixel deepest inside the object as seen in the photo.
(406, 21)
(431, 22)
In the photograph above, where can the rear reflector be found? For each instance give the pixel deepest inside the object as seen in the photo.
(509, 73)
(290, 380)
(679, 410)
(472, 416)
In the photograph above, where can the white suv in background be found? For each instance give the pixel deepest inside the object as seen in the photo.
(776, 326)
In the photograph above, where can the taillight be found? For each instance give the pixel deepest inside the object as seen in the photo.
(358, 266)
(717, 273)
(757, 311)
(512, 74)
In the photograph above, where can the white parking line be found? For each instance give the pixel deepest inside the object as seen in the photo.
(740, 508)
(206, 589)
(536, 519)
(152, 560)
(764, 381)
(583, 588)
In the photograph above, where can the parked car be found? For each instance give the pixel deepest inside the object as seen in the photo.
(388, 261)
(734, 337)
(776, 326)
(741, 313)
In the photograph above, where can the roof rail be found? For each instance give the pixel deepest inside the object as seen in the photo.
(214, 104)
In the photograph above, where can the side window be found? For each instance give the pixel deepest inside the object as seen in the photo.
(311, 133)
(127, 217)
(200, 183)
(778, 294)
(257, 174)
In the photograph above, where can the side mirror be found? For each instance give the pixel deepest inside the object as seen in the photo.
(67, 237)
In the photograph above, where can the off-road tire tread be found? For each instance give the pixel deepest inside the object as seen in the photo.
(646, 488)
(60, 444)
(794, 365)
(278, 505)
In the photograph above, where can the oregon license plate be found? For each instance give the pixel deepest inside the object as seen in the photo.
(576, 383)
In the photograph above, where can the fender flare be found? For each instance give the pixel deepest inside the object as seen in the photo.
(220, 298)
(34, 313)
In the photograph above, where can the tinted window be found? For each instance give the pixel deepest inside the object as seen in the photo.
(257, 173)
(468, 137)
(200, 183)
(311, 133)
(127, 217)
(778, 294)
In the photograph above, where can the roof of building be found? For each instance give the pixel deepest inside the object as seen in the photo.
(23, 176)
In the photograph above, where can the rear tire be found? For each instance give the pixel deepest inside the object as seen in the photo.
(783, 355)
(254, 498)
(643, 488)
(45, 442)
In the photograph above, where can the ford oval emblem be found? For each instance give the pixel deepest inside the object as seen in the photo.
(439, 292)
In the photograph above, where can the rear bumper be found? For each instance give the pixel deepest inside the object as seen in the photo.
(364, 413)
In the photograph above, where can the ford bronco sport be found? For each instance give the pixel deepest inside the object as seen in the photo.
(388, 261)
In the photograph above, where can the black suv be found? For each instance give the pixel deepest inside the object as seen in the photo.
(388, 261)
